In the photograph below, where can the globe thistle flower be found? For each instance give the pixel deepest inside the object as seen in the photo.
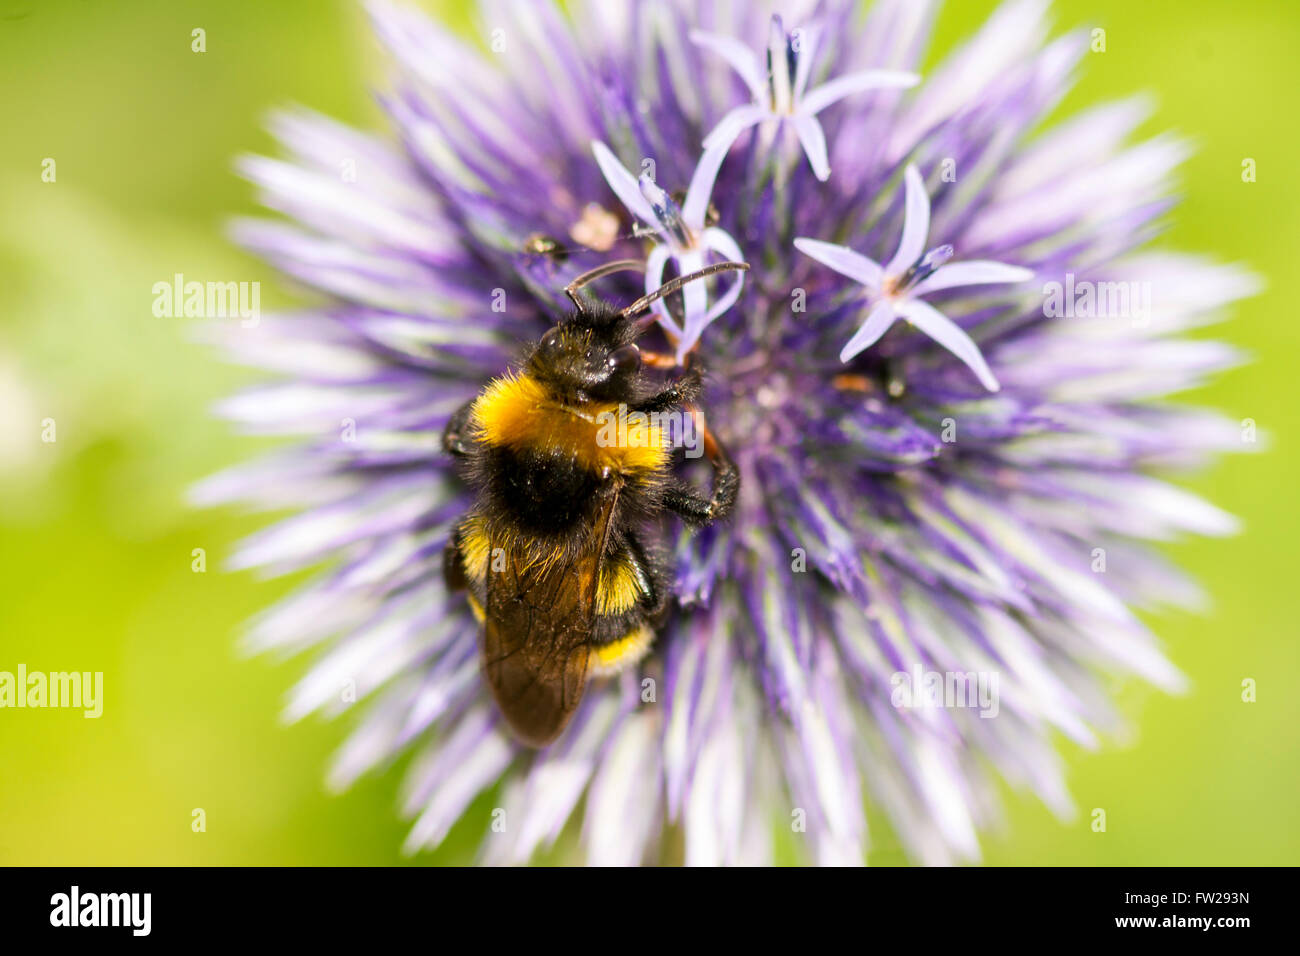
(897, 520)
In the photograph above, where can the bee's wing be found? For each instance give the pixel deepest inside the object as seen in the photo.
(538, 632)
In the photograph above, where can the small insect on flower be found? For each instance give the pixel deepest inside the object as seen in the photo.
(552, 555)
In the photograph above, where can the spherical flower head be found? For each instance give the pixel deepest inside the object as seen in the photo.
(946, 505)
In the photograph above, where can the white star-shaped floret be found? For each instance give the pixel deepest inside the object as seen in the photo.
(683, 236)
(780, 90)
(896, 288)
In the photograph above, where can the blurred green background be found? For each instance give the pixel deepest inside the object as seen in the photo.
(96, 540)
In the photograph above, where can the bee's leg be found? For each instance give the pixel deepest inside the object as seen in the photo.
(680, 392)
(655, 599)
(453, 564)
(698, 510)
(657, 359)
(455, 438)
(694, 507)
(623, 639)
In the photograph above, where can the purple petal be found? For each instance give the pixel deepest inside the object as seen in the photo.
(879, 319)
(975, 272)
(741, 58)
(813, 141)
(844, 261)
(950, 335)
(826, 94)
(624, 184)
(916, 224)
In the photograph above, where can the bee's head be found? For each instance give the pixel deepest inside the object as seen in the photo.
(591, 354)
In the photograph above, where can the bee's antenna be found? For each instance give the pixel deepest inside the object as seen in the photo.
(591, 275)
(668, 288)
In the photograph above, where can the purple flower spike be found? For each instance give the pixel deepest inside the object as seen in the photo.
(897, 287)
(922, 587)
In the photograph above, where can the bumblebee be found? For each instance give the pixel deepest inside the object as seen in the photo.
(552, 555)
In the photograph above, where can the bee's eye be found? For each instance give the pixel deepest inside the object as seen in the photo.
(550, 343)
(625, 359)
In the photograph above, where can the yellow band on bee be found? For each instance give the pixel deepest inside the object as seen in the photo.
(474, 548)
(619, 587)
(617, 655)
(516, 411)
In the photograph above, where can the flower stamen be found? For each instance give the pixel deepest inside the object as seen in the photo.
(921, 269)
